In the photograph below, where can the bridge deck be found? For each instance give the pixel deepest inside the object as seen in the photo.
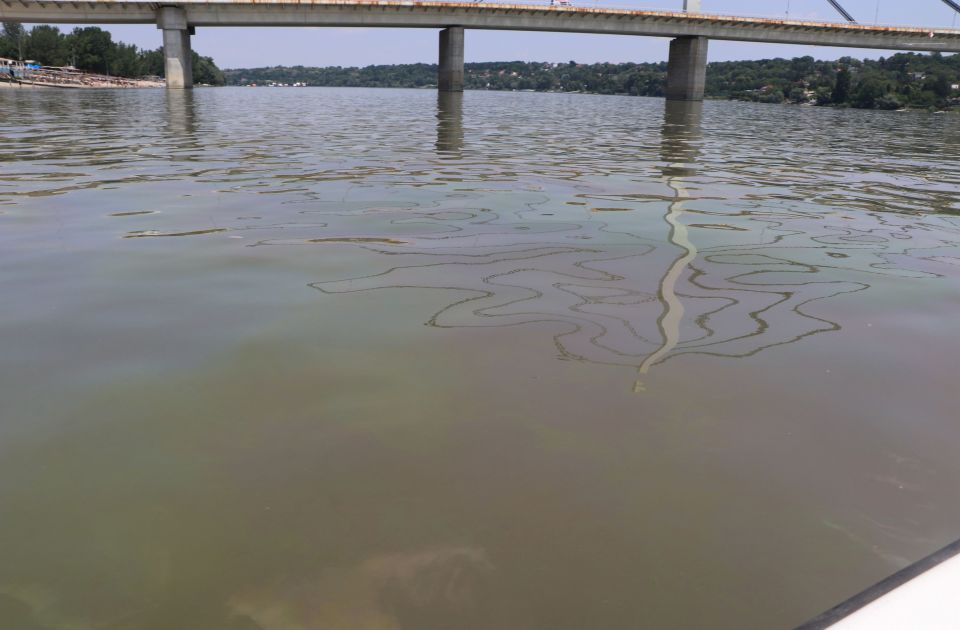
(490, 15)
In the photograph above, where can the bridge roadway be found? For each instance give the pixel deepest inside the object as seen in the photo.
(690, 30)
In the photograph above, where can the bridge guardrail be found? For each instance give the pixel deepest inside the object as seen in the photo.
(574, 6)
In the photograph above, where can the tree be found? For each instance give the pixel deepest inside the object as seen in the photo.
(13, 40)
(802, 67)
(773, 96)
(91, 48)
(125, 61)
(925, 99)
(206, 72)
(841, 89)
(798, 95)
(46, 45)
(152, 63)
(889, 101)
(868, 91)
(824, 96)
(939, 84)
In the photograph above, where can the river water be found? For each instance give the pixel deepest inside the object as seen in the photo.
(344, 358)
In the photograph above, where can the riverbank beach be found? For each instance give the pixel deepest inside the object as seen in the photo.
(28, 75)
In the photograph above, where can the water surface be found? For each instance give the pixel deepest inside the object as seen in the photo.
(321, 358)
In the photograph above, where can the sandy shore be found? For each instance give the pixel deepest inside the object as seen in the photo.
(78, 82)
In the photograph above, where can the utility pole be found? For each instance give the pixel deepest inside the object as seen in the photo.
(691, 6)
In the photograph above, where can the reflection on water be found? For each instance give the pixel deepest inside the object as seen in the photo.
(624, 298)
(681, 130)
(449, 124)
(382, 368)
(181, 113)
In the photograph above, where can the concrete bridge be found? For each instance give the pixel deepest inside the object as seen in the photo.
(689, 29)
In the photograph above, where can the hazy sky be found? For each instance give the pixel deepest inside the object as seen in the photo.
(252, 47)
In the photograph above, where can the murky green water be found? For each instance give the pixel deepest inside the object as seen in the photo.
(343, 359)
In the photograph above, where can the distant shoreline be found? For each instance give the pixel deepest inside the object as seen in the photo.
(903, 80)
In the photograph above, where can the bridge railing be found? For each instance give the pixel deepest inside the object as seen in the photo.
(781, 18)
(828, 17)
(772, 17)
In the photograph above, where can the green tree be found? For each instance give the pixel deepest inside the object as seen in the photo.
(924, 99)
(125, 61)
(802, 67)
(206, 72)
(13, 40)
(773, 96)
(151, 62)
(46, 44)
(91, 49)
(867, 93)
(798, 95)
(889, 101)
(841, 89)
(824, 95)
(939, 84)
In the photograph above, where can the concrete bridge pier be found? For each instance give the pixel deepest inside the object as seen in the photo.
(178, 57)
(687, 69)
(450, 73)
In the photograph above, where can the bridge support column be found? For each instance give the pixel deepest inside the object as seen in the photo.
(450, 74)
(178, 58)
(687, 69)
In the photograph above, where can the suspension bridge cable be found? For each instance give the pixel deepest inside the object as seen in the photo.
(849, 18)
(953, 5)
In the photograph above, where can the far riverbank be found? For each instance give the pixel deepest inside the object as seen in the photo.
(904, 80)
